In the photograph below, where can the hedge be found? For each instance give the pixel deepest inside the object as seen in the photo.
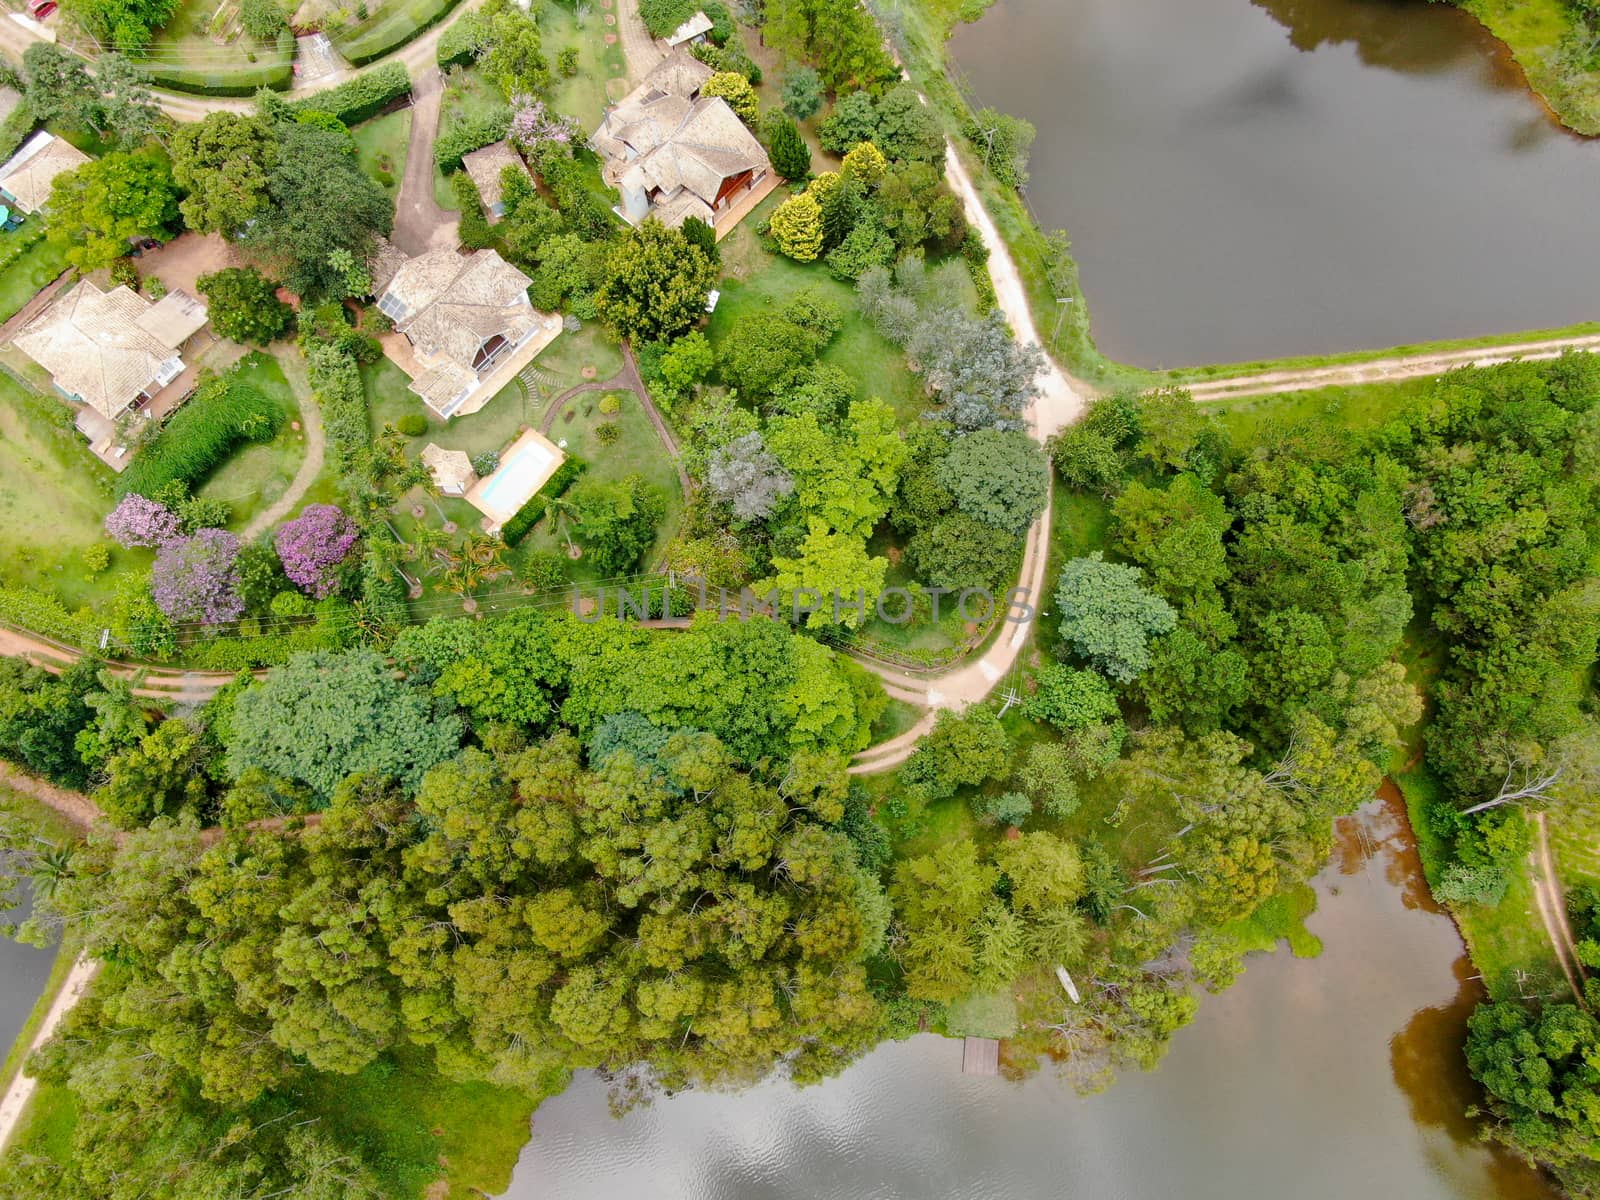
(389, 35)
(459, 44)
(245, 79)
(470, 135)
(201, 435)
(334, 629)
(15, 129)
(41, 613)
(474, 232)
(532, 512)
(336, 380)
(365, 96)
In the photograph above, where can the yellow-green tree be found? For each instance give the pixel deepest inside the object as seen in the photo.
(797, 225)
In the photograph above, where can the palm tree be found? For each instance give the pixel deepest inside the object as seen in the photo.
(463, 578)
(51, 867)
(563, 516)
(426, 542)
(488, 552)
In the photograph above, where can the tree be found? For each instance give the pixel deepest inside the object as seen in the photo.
(96, 208)
(1537, 1071)
(839, 36)
(959, 552)
(654, 284)
(570, 269)
(224, 163)
(243, 305)
(326, 716)
(983, 377)
(617, 520)
(918, 208)
(999, 478)
(791, 157)
(802, 92)
(59, 87)
(1071, 699)
(320, 202)
(964, 750)
(1108, 616)
(194, 578)
(42, 715)
(837, 569)
(314, 545)
(137, 521)
(125, 25)
(797, 227)
(687, 362)
(1006, 809)
(907, 130)
(736, 90)
(515, 55)
(263, 20)
(865, 164)
(536, 129)
(163, 775)
(1004, 142)
(1176, 534)
(938, 899)
(126, 109)
(768, 353)
(746, 476)
(854, 120)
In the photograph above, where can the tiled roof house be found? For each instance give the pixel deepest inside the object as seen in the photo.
(26, 177)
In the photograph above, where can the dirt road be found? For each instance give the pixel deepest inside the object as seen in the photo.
(1547, 895)
(294, 370)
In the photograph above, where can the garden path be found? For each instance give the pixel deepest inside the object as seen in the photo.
(294, 370)
(627, 379)
(420, 224)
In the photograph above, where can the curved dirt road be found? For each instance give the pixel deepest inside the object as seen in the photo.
(294, 370)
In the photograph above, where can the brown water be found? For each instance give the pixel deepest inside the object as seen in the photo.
(1252, 180)
(1338, 1077)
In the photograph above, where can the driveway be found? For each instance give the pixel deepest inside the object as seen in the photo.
(419, 223)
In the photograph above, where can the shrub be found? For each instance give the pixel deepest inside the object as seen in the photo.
(466, 136)
(155, 289)
(243, 305)
(194, 578)
(610, 404)
(125, 274)
(412, 424)
(262, 19)
(607, 433)
(201, 435)
(662, 17)
(567, 61)
(368, 94)
(138, 521)
(313, 547)
(486, 463)
(1006, 809)
(336, 380)
(474, 233)
(531, 513)
(96, 558)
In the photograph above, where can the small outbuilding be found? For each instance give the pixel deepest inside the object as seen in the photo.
(487, 168)
(27, 176)
(451, 469)
(696, 29)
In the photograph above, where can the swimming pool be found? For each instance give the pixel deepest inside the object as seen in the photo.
(525, 466)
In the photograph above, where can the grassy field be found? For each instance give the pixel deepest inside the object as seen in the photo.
(53, 496)
(1360, 407)
(602, 70)
(28, 267)
(381, 148)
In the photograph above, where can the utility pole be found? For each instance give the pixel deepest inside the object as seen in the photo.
(989, 139)
(1061, 302)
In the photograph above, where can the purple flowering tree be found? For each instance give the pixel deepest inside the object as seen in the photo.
(140, 522)
(534, 126)
(314, 545)
(195, 578)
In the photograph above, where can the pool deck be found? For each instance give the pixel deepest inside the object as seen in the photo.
(496, 511)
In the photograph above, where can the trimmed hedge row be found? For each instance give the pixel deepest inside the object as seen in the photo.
(336, 380)
(388, 36)
(40, 612)
(474, 232)
(365, 96)
(245, 79)
(200, 435)
(459, 44)
(468, 136)
(530, 514)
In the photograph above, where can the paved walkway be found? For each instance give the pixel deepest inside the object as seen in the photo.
(638, 47)
(294, 370)
(420, 224)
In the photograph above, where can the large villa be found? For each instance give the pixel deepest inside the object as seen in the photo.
(674, 154)
(468, 326)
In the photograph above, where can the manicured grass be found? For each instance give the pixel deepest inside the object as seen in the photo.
(392, 24)
(54, 495)
(258, 474)
(28, 271)
(205, 43)
(381, 148)
(1536, 32)
(602, 70)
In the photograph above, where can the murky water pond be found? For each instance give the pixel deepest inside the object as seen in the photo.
(1334, 1078)
(23, 971)
(1249, 180)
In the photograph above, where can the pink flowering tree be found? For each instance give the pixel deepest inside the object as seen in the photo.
(196, 578)
(313, 547)
(140, 522)
(534, 126)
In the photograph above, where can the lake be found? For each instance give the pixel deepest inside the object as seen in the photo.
(1254, 180)
(23, 972)
(1321, 1079)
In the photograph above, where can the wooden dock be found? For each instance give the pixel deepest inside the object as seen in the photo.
(980, 1056)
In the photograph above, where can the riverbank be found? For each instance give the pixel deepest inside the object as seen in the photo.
(1543, 36)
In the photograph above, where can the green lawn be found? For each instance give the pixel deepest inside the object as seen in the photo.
(1362, 406)
(30, 263)
(389, 25)
(205, 43)
(259, 474)
(54, 495)
(602, 69)
(381, 148)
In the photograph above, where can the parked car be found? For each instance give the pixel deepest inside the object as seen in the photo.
(40, 9)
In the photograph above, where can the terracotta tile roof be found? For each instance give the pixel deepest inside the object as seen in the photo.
(28, 174)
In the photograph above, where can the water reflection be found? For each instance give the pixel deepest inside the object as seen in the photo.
(1247, 180)
(1294, 1083)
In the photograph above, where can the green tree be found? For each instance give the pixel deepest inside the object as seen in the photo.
(1069, 698)
(164, 775)
(797, 227)
(964, 750)
(1108, 616)
(865, 164)
(1537, 1070)
(58, 87)
(835, 567)
(736, 90)
(223, 163)
(654, 284)
(1004, 141)
(325, 716)
(263, 20)
(96, 208)
(802, 92)
(617, 521)
(515, 55)
(243, 305)
(791, 157)
(321, 202)
(999, 478)
(1176, 534)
